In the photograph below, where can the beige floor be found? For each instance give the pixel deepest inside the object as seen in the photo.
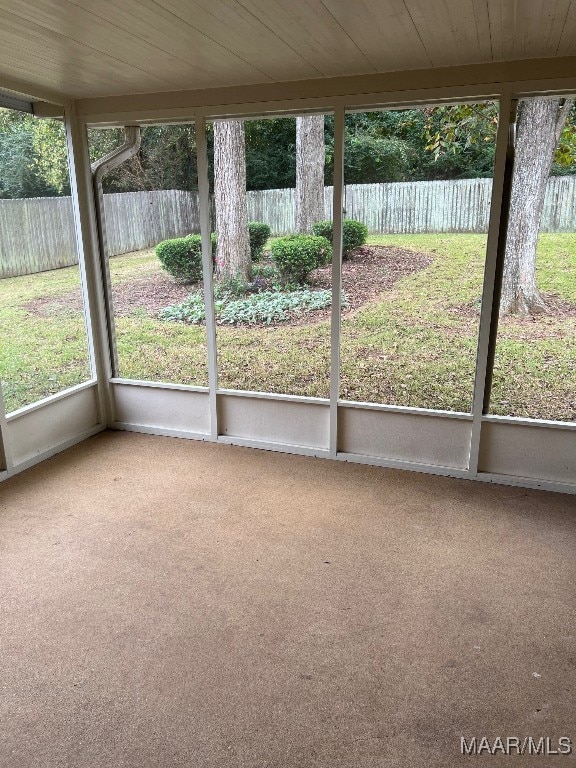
(171, 603)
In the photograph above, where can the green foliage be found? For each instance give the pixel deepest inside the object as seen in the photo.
(270, 153)
(192, 310)
(457, 131)
(51, 157)
(297, 255)
(182, 257)
(166, 160)
(273, 306)
(259, 234)
(265, 270)
(449, 129)
(354, 234)
(380, 159)
(259, 308)
(227, 288)
(24, 159)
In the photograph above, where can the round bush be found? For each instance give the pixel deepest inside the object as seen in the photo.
(182, 257)
(297, 255)
(259, 234)
(354, 234)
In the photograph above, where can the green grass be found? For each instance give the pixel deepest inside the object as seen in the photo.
(40, 356)
(415, 345)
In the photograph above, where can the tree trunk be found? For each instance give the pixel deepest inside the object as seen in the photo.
(539, 126)
(233, 250)
(310, 156)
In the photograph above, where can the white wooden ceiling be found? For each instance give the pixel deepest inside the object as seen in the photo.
(87, 48)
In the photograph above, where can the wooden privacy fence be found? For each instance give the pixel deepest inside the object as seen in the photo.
(417, 206)
(38, 234)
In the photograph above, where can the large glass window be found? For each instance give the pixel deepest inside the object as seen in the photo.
(419, 181)
(535, 361)
(151, 216)
(43, 339)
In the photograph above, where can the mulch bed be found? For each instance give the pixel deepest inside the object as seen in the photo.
(368, 273)
(365, 275)
(371, 270)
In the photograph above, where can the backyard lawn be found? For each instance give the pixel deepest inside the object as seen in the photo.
(410, 340)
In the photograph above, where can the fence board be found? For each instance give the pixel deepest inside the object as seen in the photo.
(38, 234)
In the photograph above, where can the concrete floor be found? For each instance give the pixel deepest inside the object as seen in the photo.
(169, 603)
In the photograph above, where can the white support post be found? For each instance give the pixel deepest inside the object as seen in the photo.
(5, 453)
(207, 270)
(337, 216)
(490, 294)
(89, 258)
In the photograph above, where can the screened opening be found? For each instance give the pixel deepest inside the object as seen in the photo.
(417, 203)
(272, 203)
(43, 337)
(154, 257)
(535, 358)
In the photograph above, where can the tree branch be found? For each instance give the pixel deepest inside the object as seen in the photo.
(563, 113)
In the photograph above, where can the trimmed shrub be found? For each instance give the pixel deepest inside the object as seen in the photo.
(354, 234)
(259, 234)
(182, 257)
(297, 255)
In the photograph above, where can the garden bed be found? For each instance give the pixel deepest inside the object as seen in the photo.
(370, 271)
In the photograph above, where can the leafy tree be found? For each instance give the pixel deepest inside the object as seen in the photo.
(20, 173)
(166, 160)
(270, 153)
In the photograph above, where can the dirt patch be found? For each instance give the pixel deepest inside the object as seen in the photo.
(48, 306)
(368, 273)
(371, 270)
(152, 293)
(149, 293)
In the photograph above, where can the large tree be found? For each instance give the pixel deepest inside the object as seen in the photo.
(542, 135)
(310, 158)
(539, 126)
(233, 249)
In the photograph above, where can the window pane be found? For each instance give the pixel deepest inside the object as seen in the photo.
(155, 263)
(273, 319)
(43, 339)
(535, 360)
(420, 181)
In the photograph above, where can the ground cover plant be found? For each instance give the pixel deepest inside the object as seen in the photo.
(265, 307)
(408, 333)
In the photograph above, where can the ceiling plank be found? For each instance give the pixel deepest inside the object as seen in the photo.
(85, 28)
(383, 31)
(237, 30)
(566, 44)
(448, 30)
(155, 25)
(32, 37)
(314, 33)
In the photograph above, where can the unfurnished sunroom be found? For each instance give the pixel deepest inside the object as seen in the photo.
(325, 242)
